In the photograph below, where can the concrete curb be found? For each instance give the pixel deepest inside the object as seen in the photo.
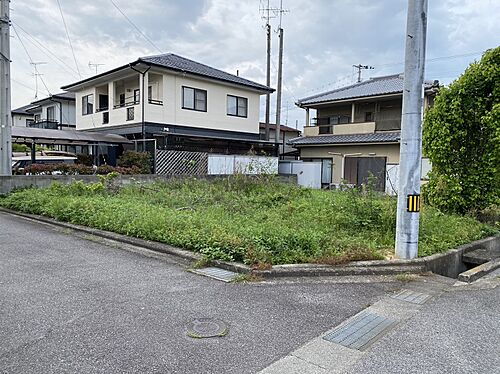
(473, 274)
(448, 263)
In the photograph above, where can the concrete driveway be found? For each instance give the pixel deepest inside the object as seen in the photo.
(74, 305)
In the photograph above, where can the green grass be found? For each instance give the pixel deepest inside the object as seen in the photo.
(257, 221)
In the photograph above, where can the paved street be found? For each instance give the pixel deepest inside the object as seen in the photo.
(71, 305)
(77, 304)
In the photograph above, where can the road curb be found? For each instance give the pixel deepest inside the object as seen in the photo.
(438, 263)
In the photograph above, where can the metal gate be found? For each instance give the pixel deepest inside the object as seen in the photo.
(181, 162)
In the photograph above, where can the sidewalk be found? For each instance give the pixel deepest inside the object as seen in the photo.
(456, 330)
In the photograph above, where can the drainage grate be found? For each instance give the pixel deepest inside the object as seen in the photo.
(216, 273)
(361, 331)
(411, 296)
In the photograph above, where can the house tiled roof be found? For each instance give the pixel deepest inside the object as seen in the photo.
(60, 95)
(391, 84)
(23, 110)
(179, 63)
(379, 137)
(272, 126)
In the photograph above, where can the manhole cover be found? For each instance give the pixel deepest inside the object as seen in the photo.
(207, 328)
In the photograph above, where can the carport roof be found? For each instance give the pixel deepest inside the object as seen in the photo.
(64, 136)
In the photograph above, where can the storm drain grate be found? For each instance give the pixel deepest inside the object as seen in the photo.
(361, 331)
(411, 296)
(216, 273)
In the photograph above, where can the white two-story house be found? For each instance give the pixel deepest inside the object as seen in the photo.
(176, 102)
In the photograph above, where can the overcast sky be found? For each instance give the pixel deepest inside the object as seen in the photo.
(323, 39)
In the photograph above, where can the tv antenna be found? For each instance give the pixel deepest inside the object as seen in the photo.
(36, 74)
(94, 66)
(362, 67)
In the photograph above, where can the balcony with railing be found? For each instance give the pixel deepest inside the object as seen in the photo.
(48, 124)
(338, 125)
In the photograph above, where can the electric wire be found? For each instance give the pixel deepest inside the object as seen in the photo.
(137, 28)
(69, 39)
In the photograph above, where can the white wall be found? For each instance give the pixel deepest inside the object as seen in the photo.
(19, 120)
(171, 111)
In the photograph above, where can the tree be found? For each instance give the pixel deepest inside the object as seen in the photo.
(461, 137)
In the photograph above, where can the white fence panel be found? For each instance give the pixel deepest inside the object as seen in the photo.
(233, 164)
(308, 173)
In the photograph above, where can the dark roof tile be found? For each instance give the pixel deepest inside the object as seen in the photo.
(379, 137)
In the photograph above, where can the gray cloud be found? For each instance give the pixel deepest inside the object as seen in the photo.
(323, 38)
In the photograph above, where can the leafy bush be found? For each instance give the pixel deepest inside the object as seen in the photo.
(76, 169)
(84, 159)
(462, 140)
(140, 160)
(257, 221)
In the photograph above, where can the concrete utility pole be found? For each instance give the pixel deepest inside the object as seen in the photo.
(5, 114)
(360, 67)
(268, 77)
(278, 94)
(408, 215)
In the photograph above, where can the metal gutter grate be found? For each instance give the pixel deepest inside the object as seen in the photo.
(361, 331)
(411, 296)
(216, 273)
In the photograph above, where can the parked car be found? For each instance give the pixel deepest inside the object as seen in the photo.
(19, 163)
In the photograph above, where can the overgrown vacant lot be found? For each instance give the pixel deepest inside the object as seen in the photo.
(255, 221)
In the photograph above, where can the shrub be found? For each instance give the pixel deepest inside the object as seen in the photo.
(462, 140)
(84, 159)
(140, 160)
(76, 169)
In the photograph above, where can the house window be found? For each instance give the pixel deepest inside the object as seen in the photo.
(341, 119)
(237, 106)
(130, 114)
(37, 118)
(122, 99)
(105, 117)
(368, 116)
(194, 99)
(50, 113)
(150, 92)
(136, 96)
(87, 104)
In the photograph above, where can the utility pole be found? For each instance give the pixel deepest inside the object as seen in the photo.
(408, 211)
(280, 76)
(278, 94)
(361, 67)
(5, 114)
(266, 14)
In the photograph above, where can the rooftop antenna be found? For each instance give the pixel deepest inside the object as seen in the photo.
(36, 74)
(362, 67)
(94, 66)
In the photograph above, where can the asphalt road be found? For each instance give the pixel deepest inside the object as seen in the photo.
(71, 305)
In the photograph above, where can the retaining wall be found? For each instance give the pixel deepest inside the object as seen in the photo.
(9, 183)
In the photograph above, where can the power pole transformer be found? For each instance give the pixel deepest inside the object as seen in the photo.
(408, 211)
(5, 92)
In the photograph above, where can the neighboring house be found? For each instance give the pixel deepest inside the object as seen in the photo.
(54, 112)
(286, 134)
(176, 102)
(21, 117)
(356, 131)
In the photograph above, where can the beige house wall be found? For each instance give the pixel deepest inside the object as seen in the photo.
(390, 151)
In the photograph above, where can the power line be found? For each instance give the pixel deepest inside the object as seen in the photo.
(44, 49)
(69, 39)
(134, 25)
